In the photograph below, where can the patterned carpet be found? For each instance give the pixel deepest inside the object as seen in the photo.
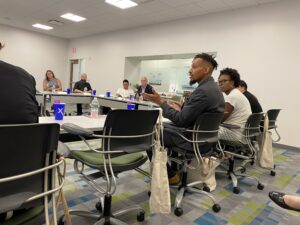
(251, 206)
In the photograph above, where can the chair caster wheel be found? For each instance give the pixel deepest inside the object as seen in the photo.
(273, 173)
(260, 186)
(149, 193)
(61, 221)
(216, 208)
(98, 206)
(178, 212)
(206, 188)
(236, 190)
(243, 170)
(140, 216)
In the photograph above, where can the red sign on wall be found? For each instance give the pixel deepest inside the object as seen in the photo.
(73, 50)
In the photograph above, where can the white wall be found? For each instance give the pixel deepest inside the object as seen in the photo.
(35, 53)
(261, 42)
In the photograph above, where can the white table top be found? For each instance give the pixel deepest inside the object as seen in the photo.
(83, 121)
(94, 124)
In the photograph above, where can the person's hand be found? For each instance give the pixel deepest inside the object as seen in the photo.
(155, 97)
(174, 104)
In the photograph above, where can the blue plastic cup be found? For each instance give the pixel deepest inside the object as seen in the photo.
(68, 91)
(130, 106)
(94, 92)
(108, 94)
(59, 111)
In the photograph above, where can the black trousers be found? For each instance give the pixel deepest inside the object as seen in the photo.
(79, 109)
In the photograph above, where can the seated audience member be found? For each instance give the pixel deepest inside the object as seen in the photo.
(51, 83)
(290, 202)
(255, 106)
(81, 87)
(237, 106)
(22, 106)
(206, 98)
(125, 92)
(144, 87)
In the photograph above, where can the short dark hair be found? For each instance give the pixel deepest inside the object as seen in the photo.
(125, 81)
(207, 58)
(1, 45)
(233, 74)
(243, 84)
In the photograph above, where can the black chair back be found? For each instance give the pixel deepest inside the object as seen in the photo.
(252, 126)
(208, 124)
(129, 123)
(24, 149)
(272, 116)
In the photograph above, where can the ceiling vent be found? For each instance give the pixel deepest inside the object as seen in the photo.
(56, 22)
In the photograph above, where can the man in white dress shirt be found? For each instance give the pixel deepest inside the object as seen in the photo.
(125, 92)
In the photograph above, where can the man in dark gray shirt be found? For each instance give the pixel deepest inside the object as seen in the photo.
(18, 103)
(206, 98)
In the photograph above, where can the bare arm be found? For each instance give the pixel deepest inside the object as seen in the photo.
(227, 111)
(77, 91)
(59, 88)
(44, 85)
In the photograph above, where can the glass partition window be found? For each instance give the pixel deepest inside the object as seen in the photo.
(168, 75)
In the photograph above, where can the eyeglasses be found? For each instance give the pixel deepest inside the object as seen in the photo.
(222, 81)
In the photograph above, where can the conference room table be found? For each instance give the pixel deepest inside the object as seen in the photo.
(94, 124)
(47, 99)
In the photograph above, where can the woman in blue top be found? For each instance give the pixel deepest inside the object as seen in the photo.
(51, 83)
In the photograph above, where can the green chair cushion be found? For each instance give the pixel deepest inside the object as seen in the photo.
(96, 159)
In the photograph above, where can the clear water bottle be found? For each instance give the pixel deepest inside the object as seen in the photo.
(94, 108)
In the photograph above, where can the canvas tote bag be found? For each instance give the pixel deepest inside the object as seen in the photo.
(160, 200)
(265, 153)
(205, 172)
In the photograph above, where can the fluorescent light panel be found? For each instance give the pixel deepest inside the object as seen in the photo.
(123, 4)
(73, 17)
(41, 26)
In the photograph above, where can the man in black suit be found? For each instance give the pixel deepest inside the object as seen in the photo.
(254, 103)
(144, 87)
(206, 98)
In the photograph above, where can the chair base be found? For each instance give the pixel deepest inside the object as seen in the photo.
(234, 178)
(106, 217)
(184, 188)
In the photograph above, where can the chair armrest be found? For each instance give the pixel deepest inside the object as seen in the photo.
(77, 130)
(230, 126)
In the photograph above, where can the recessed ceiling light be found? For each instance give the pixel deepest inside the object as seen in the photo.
(73, 17)
(123, 4)
(41, 26)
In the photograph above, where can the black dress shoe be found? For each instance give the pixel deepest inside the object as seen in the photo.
(277, 197)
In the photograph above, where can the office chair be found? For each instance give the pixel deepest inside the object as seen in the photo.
(27, 178)
(126, 134)
(203, 136)
(272, 115)
(242, 149)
